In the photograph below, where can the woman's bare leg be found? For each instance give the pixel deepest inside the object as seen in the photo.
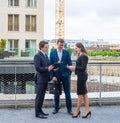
(86, 102)
(78, 105)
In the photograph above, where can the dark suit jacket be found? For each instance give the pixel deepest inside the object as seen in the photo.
(66, 60)
(41, 65)
(81, 65)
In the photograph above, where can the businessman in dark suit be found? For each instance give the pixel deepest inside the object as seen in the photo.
(42, 75)
(62, 74)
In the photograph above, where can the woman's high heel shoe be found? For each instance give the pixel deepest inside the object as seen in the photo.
(89, 113)
(75, 116)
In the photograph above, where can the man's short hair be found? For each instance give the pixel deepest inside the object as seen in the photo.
(42, 44)
(60, 40)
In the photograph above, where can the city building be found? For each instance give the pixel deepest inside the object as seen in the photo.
(22, 25)
(87, 43)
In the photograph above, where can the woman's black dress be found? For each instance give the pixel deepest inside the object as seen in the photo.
(81, 72)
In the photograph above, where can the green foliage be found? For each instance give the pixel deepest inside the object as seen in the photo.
(2, 45)
(104, 53)
(109, 53)
(93, 53)
(114, 53)
(52, 48)
(70, 50)
(119, 53)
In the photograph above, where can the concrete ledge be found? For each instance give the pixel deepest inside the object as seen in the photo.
(27, 100)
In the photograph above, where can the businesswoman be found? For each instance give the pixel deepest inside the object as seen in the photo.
(81, 72)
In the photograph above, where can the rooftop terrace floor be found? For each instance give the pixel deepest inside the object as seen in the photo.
(104, 114)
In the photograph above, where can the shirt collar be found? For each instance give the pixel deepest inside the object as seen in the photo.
(59, 50)
(42, 52)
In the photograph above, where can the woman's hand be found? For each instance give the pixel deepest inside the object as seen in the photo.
(71, 67)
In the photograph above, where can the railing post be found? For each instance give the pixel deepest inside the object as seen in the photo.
(15, 84)
(100, 86)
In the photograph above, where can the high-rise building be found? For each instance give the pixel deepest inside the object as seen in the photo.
(22, 24)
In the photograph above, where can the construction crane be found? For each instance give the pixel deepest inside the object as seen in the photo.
(59, 19)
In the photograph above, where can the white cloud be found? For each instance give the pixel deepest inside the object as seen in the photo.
(88, 19)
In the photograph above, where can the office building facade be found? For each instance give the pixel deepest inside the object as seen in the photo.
(22, 24)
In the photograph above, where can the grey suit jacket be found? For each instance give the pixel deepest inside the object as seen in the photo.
(41, 64)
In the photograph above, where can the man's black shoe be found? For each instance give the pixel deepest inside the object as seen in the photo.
(41, 116)
(45, 114)
(55, 111)
(70, 112)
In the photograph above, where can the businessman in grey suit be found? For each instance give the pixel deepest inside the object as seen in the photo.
(42, 68)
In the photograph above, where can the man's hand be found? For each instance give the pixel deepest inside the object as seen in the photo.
(50, 67)
(54, 79)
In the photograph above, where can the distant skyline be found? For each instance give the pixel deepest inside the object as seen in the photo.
(87, 19)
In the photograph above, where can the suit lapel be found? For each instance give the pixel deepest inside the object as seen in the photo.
(45, 59)
(41, 54)
(56, 54)
(62, 55)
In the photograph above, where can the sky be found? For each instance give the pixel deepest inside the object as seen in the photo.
(85, 19)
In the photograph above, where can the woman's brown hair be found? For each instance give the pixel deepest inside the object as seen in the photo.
(81, 46)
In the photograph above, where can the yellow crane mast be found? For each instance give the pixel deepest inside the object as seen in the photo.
(59, 19)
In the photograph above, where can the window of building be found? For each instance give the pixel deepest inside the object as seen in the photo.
(29, 43)
(30, 46)
(13, 22)
(31, 3)
(13, 2)
(13, 46)
(30, 23)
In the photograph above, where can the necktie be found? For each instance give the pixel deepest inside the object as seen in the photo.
(46, 56)
(47, 60)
